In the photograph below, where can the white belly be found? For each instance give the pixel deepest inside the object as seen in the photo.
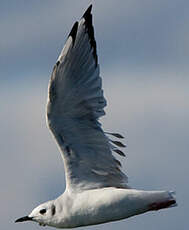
(109, 204)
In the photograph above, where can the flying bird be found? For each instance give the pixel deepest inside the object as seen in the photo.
(97, 190)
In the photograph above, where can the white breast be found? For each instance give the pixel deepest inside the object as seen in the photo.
(108, 204)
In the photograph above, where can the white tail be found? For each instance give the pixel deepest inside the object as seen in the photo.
(169, 202)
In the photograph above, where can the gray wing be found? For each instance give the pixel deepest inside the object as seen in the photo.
(75, 103)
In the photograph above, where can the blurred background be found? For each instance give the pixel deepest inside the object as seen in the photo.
(143, 53)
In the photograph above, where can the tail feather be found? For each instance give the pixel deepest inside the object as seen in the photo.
(168, 203)
(173, 197)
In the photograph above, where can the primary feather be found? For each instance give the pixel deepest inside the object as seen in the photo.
(75, 104)
(96, 189)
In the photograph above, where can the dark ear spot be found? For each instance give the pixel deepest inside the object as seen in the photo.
(53, 210)
(42, 211)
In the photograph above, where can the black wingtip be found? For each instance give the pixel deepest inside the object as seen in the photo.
(87, 12)
(73, 31)
(90, 30)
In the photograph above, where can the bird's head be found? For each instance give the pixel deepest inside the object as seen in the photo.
(43, 214)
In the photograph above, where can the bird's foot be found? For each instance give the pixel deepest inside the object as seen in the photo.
(160, 205)
(42, 224)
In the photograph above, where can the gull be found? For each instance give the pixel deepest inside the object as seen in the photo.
(97, 190)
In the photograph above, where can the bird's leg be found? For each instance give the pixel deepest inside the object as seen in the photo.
(157, 206)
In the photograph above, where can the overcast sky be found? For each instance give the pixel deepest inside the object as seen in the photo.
(143, 53)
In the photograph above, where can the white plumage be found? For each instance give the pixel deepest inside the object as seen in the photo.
(96, 188)
(75, 103)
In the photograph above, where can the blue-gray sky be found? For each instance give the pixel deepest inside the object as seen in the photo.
(143, 53)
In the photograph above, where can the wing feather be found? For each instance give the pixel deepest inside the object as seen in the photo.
(75, 104)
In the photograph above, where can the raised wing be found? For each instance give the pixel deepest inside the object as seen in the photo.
(75, 103)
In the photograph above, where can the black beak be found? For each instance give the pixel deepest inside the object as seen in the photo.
(25, 218)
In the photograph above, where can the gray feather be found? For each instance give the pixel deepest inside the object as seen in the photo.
(75, 104)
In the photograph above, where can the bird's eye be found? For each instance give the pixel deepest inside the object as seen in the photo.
(42, 211)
